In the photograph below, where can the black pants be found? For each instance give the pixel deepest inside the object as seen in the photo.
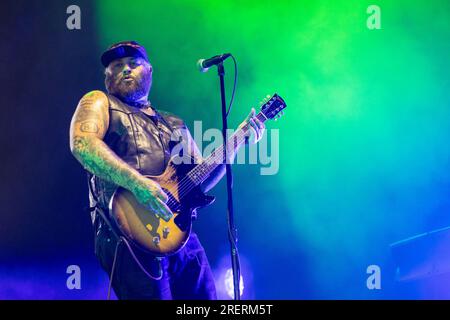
(186, 275)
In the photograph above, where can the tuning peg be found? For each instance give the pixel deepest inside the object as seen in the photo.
(264, 101)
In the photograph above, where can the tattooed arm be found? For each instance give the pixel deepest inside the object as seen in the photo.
(87, 130)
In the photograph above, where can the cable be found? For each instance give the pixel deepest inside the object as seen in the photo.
(123, 239)
(231, 229)
(234, 85)
(141, 266)
(113, 268)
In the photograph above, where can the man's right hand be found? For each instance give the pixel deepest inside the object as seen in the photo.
(150, 195)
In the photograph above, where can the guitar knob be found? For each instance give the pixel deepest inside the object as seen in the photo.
(166, 231)
(156, 241)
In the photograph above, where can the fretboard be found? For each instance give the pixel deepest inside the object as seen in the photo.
(203, 170)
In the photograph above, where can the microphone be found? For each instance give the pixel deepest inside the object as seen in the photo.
(205, 64)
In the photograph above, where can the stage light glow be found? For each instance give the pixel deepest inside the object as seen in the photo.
(229, 287)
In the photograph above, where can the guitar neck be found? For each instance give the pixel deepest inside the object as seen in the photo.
(203, 170)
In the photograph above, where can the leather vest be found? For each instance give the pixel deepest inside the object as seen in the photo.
(142, 141)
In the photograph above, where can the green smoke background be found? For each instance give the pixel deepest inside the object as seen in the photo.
(363, 145)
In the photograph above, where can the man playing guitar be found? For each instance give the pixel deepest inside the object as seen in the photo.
(121, 139)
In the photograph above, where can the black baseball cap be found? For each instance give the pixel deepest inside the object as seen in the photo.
(121, 50)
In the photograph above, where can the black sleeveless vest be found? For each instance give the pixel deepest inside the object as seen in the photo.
(142, 141)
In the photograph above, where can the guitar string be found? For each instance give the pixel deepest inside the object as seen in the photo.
(188, 182)
(199, 176)
(191, 175)
(218, 151)
(192, 179)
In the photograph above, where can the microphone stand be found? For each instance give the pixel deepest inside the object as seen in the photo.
(232, 231)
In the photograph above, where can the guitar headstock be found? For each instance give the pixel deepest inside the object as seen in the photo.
(273, 107)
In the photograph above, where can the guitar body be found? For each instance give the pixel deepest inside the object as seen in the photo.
(146, 230)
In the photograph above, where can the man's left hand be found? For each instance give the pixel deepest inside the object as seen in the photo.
(257, 127)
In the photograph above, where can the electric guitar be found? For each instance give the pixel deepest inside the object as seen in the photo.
(181, 183)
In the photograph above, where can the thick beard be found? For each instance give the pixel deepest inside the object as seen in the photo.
(130, 92)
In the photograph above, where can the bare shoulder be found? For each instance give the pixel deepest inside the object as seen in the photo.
(91, 116)
(93, 99)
